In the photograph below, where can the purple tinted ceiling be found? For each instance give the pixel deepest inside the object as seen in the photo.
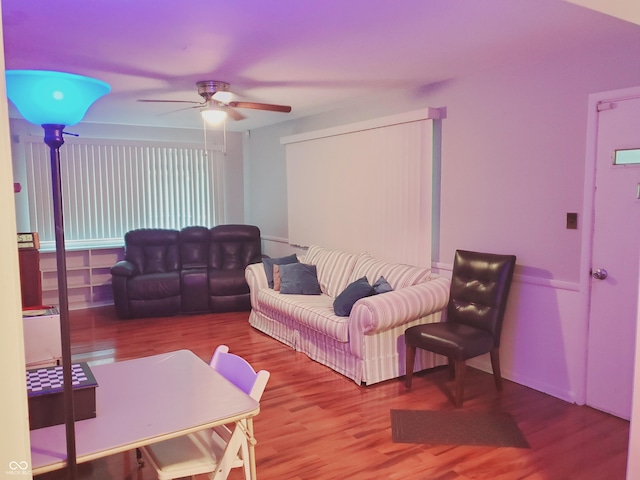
(313, 55)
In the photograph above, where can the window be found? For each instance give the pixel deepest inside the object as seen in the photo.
(629, 156)
(111, 187)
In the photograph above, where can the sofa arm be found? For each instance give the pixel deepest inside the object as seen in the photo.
(257, 280)
(382, 312)
(124, 268)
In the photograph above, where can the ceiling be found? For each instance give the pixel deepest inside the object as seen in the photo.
(315, 55)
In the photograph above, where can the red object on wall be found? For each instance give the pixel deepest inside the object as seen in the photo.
(17, 187)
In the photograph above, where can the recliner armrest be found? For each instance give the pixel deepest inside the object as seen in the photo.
(124, 268)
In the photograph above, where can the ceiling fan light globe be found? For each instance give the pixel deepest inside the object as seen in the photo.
(214, 117)
(223, 96)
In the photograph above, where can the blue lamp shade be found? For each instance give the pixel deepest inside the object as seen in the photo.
(45, 97)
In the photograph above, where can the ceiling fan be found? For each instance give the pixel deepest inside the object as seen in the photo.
(217, 102)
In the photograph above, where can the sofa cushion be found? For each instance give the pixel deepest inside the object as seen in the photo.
(270, 262)
(398, 275)
(343, 303)
(228, 255)
(153, 250)
(154, 286)
(334, 268)
(312, 311)
(299, 278)
(234, 247)
(227, 282)
(194, 247)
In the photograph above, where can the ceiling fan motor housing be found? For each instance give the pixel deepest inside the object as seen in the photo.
(207, 88)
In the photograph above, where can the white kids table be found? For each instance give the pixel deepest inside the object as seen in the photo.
(143, 401)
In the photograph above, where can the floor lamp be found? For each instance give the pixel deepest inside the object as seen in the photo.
(55, 100)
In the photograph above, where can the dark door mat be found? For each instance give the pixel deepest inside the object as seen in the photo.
(456, 428)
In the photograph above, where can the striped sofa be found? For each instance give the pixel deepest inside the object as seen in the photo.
(368, 345)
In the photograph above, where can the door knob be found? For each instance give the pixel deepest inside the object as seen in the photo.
(600, 274)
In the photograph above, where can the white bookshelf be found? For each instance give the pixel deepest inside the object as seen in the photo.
(88, 276)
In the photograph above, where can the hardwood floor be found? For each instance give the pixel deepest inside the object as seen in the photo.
(318, 425)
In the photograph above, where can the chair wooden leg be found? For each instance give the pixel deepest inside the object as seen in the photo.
(495, 364)
(252, 449)
(410, 361)
(452, 368)
(460, 367)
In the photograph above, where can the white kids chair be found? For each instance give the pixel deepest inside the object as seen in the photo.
(217, 450)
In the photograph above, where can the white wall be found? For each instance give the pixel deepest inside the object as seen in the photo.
(513, 157)
(14, 421)
(265, 179)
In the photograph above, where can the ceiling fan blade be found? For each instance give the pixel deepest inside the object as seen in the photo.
(261, 106)
(172, 101)
(232, 112)
(178, 110)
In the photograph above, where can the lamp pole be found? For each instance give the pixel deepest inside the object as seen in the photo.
(53, 138)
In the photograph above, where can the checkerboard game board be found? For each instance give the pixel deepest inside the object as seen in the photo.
(49, 380)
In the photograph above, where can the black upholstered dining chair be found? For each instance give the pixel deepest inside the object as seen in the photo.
(480, 286)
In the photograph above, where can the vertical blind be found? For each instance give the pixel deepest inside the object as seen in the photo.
(109, 188)
(366, 190)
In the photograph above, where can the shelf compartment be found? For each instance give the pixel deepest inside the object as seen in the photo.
(88, 276)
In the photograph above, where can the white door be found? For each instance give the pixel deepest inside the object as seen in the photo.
(614, 262)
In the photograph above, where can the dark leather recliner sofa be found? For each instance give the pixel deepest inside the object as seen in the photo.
(193, 270)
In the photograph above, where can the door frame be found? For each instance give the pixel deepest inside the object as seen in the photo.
(588, 225)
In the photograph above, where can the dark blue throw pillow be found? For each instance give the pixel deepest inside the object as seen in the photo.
(268, 264)
(299, 278)
(343, 303)
(382, 286)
